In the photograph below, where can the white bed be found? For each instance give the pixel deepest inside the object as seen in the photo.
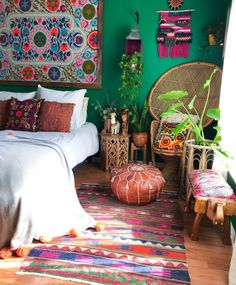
(37, 193)
(77, 144)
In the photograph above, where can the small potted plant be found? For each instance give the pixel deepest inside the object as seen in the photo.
(139, 124)
(105, 112)
(215, 33)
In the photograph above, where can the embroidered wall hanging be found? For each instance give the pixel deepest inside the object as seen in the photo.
(51, 42)
(174, 35)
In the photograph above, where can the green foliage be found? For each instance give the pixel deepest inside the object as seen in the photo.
(138, 121)
(105, 111)
(131, 84)
(131, 73)
(176, 96)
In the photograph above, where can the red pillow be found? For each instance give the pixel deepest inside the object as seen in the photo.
(55, 116)
(3, 114)
(23, 115)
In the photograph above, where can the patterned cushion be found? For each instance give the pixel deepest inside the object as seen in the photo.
(3, 114)
(23, 115)
(55, 117)
(210, 184)
(166, 139)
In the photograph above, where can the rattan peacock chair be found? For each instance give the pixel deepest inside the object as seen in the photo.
(189, 77)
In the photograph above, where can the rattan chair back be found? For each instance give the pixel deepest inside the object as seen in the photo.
(188, 77)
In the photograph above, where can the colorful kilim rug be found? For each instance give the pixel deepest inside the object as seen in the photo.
(141, 245)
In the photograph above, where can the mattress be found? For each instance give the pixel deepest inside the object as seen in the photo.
(77, 145)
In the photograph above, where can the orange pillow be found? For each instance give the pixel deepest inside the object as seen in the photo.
(55, 117)
(3, 114)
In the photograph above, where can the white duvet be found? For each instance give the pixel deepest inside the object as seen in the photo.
(37, 193)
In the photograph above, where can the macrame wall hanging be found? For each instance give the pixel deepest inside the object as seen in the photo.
(174, 34)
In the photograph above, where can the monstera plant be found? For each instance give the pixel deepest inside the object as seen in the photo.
(177, 105)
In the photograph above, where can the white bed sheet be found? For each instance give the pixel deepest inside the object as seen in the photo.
(77, 145)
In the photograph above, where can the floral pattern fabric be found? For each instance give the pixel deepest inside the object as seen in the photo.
(51, 41)
(210, 184)
(166, 139)
(23, 115)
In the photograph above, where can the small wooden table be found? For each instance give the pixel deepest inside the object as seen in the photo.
(114, 150)
(133, 152)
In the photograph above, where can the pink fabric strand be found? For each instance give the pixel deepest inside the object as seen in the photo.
(180, 50)
(163, 50)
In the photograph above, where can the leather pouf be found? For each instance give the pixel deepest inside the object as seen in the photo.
(136, 184)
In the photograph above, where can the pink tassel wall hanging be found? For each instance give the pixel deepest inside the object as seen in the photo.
(174, 34)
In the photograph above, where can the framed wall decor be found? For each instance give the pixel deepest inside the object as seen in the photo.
(52, 43)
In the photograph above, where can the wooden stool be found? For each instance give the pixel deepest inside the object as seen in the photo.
(135, 148)
(214, 197)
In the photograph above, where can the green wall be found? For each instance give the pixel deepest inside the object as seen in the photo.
(118, 19)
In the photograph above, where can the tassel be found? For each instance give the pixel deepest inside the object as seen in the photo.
(186, 50)
(162, 50)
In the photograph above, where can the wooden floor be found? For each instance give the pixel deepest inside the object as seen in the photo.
(208, 259)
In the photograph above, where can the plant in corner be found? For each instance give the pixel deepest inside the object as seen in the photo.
(131, 84)
(188, 110)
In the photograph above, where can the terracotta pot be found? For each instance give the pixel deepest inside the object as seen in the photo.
(140, 139)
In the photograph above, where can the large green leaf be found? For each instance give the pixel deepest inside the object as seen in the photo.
(173, 95)
(180, 127)
(171, 110)
(214, 113)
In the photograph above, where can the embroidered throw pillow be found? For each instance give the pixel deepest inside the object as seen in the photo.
(3, 114)
(55, 117)
(23, 115)
(166, 139)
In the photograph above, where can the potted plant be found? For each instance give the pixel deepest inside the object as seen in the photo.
(105, 112)
(215, 33)
(131, 72)
(198, 152)
(177, 104)
(139, 124)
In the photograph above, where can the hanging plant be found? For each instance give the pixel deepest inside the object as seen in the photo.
(175, 4)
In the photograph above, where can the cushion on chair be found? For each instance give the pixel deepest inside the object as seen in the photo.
(166, 139)
(209, 183)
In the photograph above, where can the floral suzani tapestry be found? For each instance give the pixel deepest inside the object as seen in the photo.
(52, 42)
(174, 34)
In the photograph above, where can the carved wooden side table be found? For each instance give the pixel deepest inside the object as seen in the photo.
(114, 151)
